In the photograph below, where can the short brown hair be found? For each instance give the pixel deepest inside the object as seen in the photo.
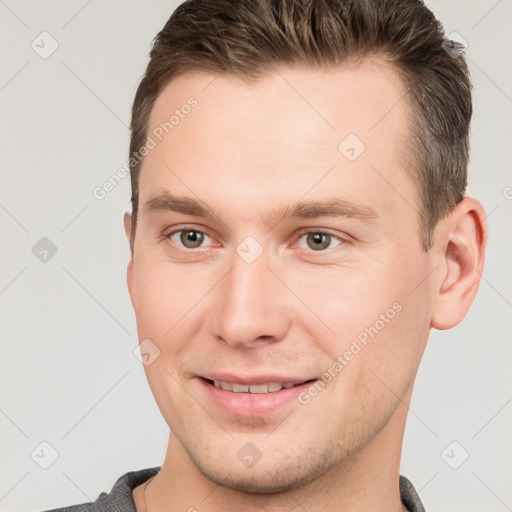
(249, 38)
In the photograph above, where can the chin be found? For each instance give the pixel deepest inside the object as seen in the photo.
(267, 477)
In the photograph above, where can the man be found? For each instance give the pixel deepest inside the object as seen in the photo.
(298, 226)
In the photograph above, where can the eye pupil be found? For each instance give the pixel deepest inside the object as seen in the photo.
(191, 239)
(317, 241)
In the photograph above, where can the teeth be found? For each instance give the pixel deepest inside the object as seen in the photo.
(271, 387)
(226, 386)
(275, 386)
(240, 388)
(258, 388)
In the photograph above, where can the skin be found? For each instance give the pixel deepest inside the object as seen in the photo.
(244, 151)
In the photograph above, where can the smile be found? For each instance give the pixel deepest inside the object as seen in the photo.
(270, 387)
(252, 397)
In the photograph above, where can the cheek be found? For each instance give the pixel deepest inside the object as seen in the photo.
(346, 300)
(164, 297)
(164, 294)
(375, 314)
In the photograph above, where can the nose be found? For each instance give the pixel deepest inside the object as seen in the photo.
(251, 307)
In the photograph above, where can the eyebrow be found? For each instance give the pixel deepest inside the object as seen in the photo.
(330, 207)
(167, 202)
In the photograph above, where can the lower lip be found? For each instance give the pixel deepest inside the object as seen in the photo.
(252, 405)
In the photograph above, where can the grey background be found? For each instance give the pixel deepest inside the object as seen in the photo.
(67, 369)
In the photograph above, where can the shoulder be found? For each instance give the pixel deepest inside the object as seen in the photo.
(409, 496)
(119, 499)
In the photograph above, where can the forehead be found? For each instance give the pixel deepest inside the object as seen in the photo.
(254, 143)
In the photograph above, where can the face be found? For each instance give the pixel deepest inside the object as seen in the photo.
(278, 243)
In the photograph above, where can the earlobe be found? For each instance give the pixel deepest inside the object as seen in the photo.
(461, 241)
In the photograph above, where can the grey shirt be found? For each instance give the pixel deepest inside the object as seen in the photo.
(119, 499)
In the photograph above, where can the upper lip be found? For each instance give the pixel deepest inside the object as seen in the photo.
(253, 379)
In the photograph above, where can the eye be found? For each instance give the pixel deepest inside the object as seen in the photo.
(189, 238)
(318, 241)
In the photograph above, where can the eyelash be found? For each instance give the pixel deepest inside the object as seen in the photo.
(300, 235)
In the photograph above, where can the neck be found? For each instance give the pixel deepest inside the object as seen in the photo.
(365, 480)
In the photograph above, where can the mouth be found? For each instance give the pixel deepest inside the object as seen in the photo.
(263, 388)
(252, 397)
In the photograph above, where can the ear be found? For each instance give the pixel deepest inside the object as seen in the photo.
(461, 240)
(127, 221)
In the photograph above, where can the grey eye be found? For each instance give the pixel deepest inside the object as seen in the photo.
(190, 238)
(318, 241)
